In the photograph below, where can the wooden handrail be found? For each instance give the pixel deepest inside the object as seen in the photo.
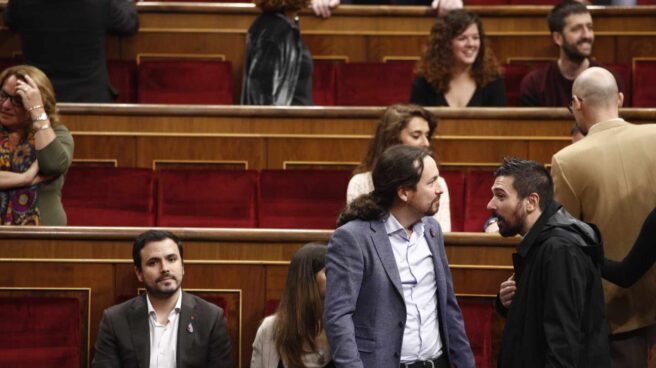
(513, 113)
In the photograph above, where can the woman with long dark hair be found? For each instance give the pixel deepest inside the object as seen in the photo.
(294, 336)
(406, 124)
(458, 69)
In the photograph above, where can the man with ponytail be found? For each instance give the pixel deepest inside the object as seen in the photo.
(389, 296)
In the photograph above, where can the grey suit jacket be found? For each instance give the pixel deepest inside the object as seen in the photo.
(365, 312)
(124, 337)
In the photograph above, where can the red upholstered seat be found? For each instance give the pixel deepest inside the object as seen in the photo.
(109, 196)
(219, 301)
(373, 84)
(40, 332)
(513, 75)
(207, 198)
(323, 83)
(271, 306)
(185, 82)
(302, 199)
(644, 80)
(477, 314)
(477, 195)
(622, 72)
(455, 180)
(123, 77)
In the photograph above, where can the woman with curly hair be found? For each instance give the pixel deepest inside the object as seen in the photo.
(457, 70)
(278, 67)
(35, 150)
(294, 337)
(406, 124)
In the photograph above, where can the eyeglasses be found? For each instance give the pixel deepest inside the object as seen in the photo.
(570, 107)
(15, 100)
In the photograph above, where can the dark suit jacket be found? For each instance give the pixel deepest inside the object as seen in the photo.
(124, 337)
(364, 309)
(66, 39)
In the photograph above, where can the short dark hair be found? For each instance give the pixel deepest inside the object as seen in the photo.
(152, 236)
(529, 177)
(399, 166)
(557, 15)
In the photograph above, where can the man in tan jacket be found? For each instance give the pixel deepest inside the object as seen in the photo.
(609, 179)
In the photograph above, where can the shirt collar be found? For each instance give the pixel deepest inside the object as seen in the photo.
(393, 226)
(178, 304)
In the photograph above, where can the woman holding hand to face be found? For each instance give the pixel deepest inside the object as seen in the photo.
(35, 150)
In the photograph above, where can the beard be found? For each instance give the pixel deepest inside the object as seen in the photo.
(511, 227)
(572, 51)
(433, 208)
(158, 292)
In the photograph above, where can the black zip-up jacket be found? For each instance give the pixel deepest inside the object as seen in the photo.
(557, 317)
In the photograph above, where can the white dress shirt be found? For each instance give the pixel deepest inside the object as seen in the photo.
(421, 336)
(164, 337)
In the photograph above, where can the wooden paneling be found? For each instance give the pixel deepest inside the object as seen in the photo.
(251, 263)
(277, 137)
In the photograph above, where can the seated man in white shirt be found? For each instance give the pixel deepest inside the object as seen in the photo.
(165, 327)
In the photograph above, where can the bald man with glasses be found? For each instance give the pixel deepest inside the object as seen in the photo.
(609, 179)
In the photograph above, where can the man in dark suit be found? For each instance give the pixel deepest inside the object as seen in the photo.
(166, 327)
(389, 296)
(66, 40)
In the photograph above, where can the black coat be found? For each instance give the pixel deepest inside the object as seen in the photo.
(557, 317)
(66, 40)
(278, 66)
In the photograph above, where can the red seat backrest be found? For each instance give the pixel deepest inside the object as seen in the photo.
(123, 77)
(513, 75)
(323, 83)
(374, 84)
(622, 73)
(477, 314)
(477, 195)
(40, 332)
(455, 180)
(644, 79)
(303, 199)
(207, 198)
(109, 196)
(185, 82)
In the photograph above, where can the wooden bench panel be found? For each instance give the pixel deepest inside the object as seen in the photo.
(250, 261)
(276, 137)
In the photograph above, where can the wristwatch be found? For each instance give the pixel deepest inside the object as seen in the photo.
(41, 117)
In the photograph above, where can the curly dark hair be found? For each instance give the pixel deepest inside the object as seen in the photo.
(282, 5)
(437, 61)
(392, 122)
